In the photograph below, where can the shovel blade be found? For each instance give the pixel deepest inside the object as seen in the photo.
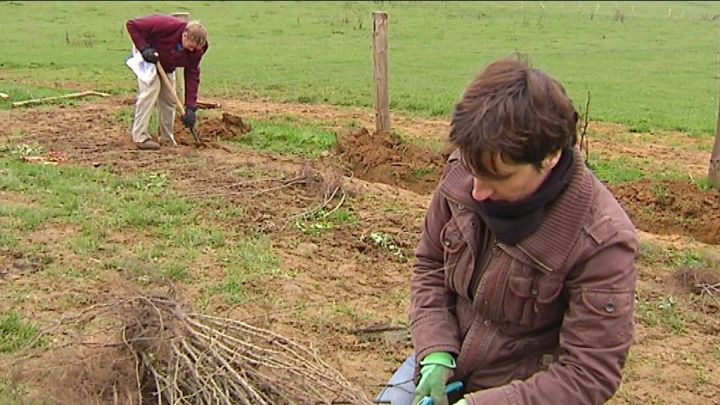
(198, 140)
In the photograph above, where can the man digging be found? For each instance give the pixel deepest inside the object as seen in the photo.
(174, 43)
(523, 288)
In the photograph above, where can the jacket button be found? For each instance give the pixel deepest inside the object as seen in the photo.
(534, 290)
(447, 242)
(610, 307)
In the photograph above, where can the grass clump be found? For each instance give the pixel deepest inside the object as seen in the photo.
(288, 138)
(17, 334)
(248, 261)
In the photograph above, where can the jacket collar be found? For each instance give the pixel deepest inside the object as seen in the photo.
(551, 244)
(457, 183)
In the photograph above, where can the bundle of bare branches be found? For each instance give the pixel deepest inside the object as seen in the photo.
(163, 353)
(190, 358)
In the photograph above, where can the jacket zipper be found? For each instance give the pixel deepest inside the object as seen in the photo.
(477, 276)
(541, 264)
(504, 287)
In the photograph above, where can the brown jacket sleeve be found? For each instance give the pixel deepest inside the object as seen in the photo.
(433, 324)
(595, 337)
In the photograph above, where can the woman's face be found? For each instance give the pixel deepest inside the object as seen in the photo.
(511, 181)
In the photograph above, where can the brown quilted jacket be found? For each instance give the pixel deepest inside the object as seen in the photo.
(551, 318)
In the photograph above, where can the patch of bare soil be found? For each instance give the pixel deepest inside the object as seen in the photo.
(704, 284)
(381, 157)
(672, 207)
(341, 280)
(426, 129)
(340, 290)
(212, 128)
(15, 264)
(687, 154)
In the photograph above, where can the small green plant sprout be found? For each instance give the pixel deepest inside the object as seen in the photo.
(309, 226)
(662, 312)
(670, 315)
(323, 219)
(347, 309)
(386, 242)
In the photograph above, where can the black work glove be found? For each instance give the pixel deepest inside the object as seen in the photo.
(189, 118)
(150, 55)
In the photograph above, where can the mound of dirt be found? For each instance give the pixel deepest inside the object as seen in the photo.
(383, 158)
(661, 207)
(212, 129)
(671, 207)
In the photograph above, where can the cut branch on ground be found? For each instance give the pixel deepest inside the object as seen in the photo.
(183, 357)
(54, 98)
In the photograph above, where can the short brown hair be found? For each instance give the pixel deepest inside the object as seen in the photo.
(196, 33)
(513, 112)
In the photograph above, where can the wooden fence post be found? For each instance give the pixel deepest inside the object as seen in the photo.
(380, 71)
(179, 72)
(714, 169)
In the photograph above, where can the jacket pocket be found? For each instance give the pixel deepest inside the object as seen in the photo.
(533, 300)
(454, 246)
(614, 308)
(608, 303)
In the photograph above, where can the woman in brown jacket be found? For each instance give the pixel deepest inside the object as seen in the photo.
(524, 283)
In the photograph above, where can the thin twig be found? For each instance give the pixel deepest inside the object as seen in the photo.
(288, 183)
(583, 135)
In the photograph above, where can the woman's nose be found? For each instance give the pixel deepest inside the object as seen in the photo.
(481, 192)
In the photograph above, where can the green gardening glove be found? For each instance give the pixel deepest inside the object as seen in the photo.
(437, 368)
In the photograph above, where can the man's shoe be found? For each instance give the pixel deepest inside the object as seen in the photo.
(148, 145)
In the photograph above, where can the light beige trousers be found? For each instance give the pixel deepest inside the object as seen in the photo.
(148, 96)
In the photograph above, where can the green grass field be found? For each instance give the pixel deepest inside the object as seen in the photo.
(651, 65)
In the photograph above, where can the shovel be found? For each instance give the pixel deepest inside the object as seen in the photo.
(178, 103)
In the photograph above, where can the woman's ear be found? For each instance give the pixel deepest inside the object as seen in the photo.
(552, 160)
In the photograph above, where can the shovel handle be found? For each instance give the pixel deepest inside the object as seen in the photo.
(178, 103)
(169, 85)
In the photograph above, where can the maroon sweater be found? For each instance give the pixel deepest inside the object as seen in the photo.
(164, 33)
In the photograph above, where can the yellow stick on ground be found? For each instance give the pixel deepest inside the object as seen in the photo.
(72, 95)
